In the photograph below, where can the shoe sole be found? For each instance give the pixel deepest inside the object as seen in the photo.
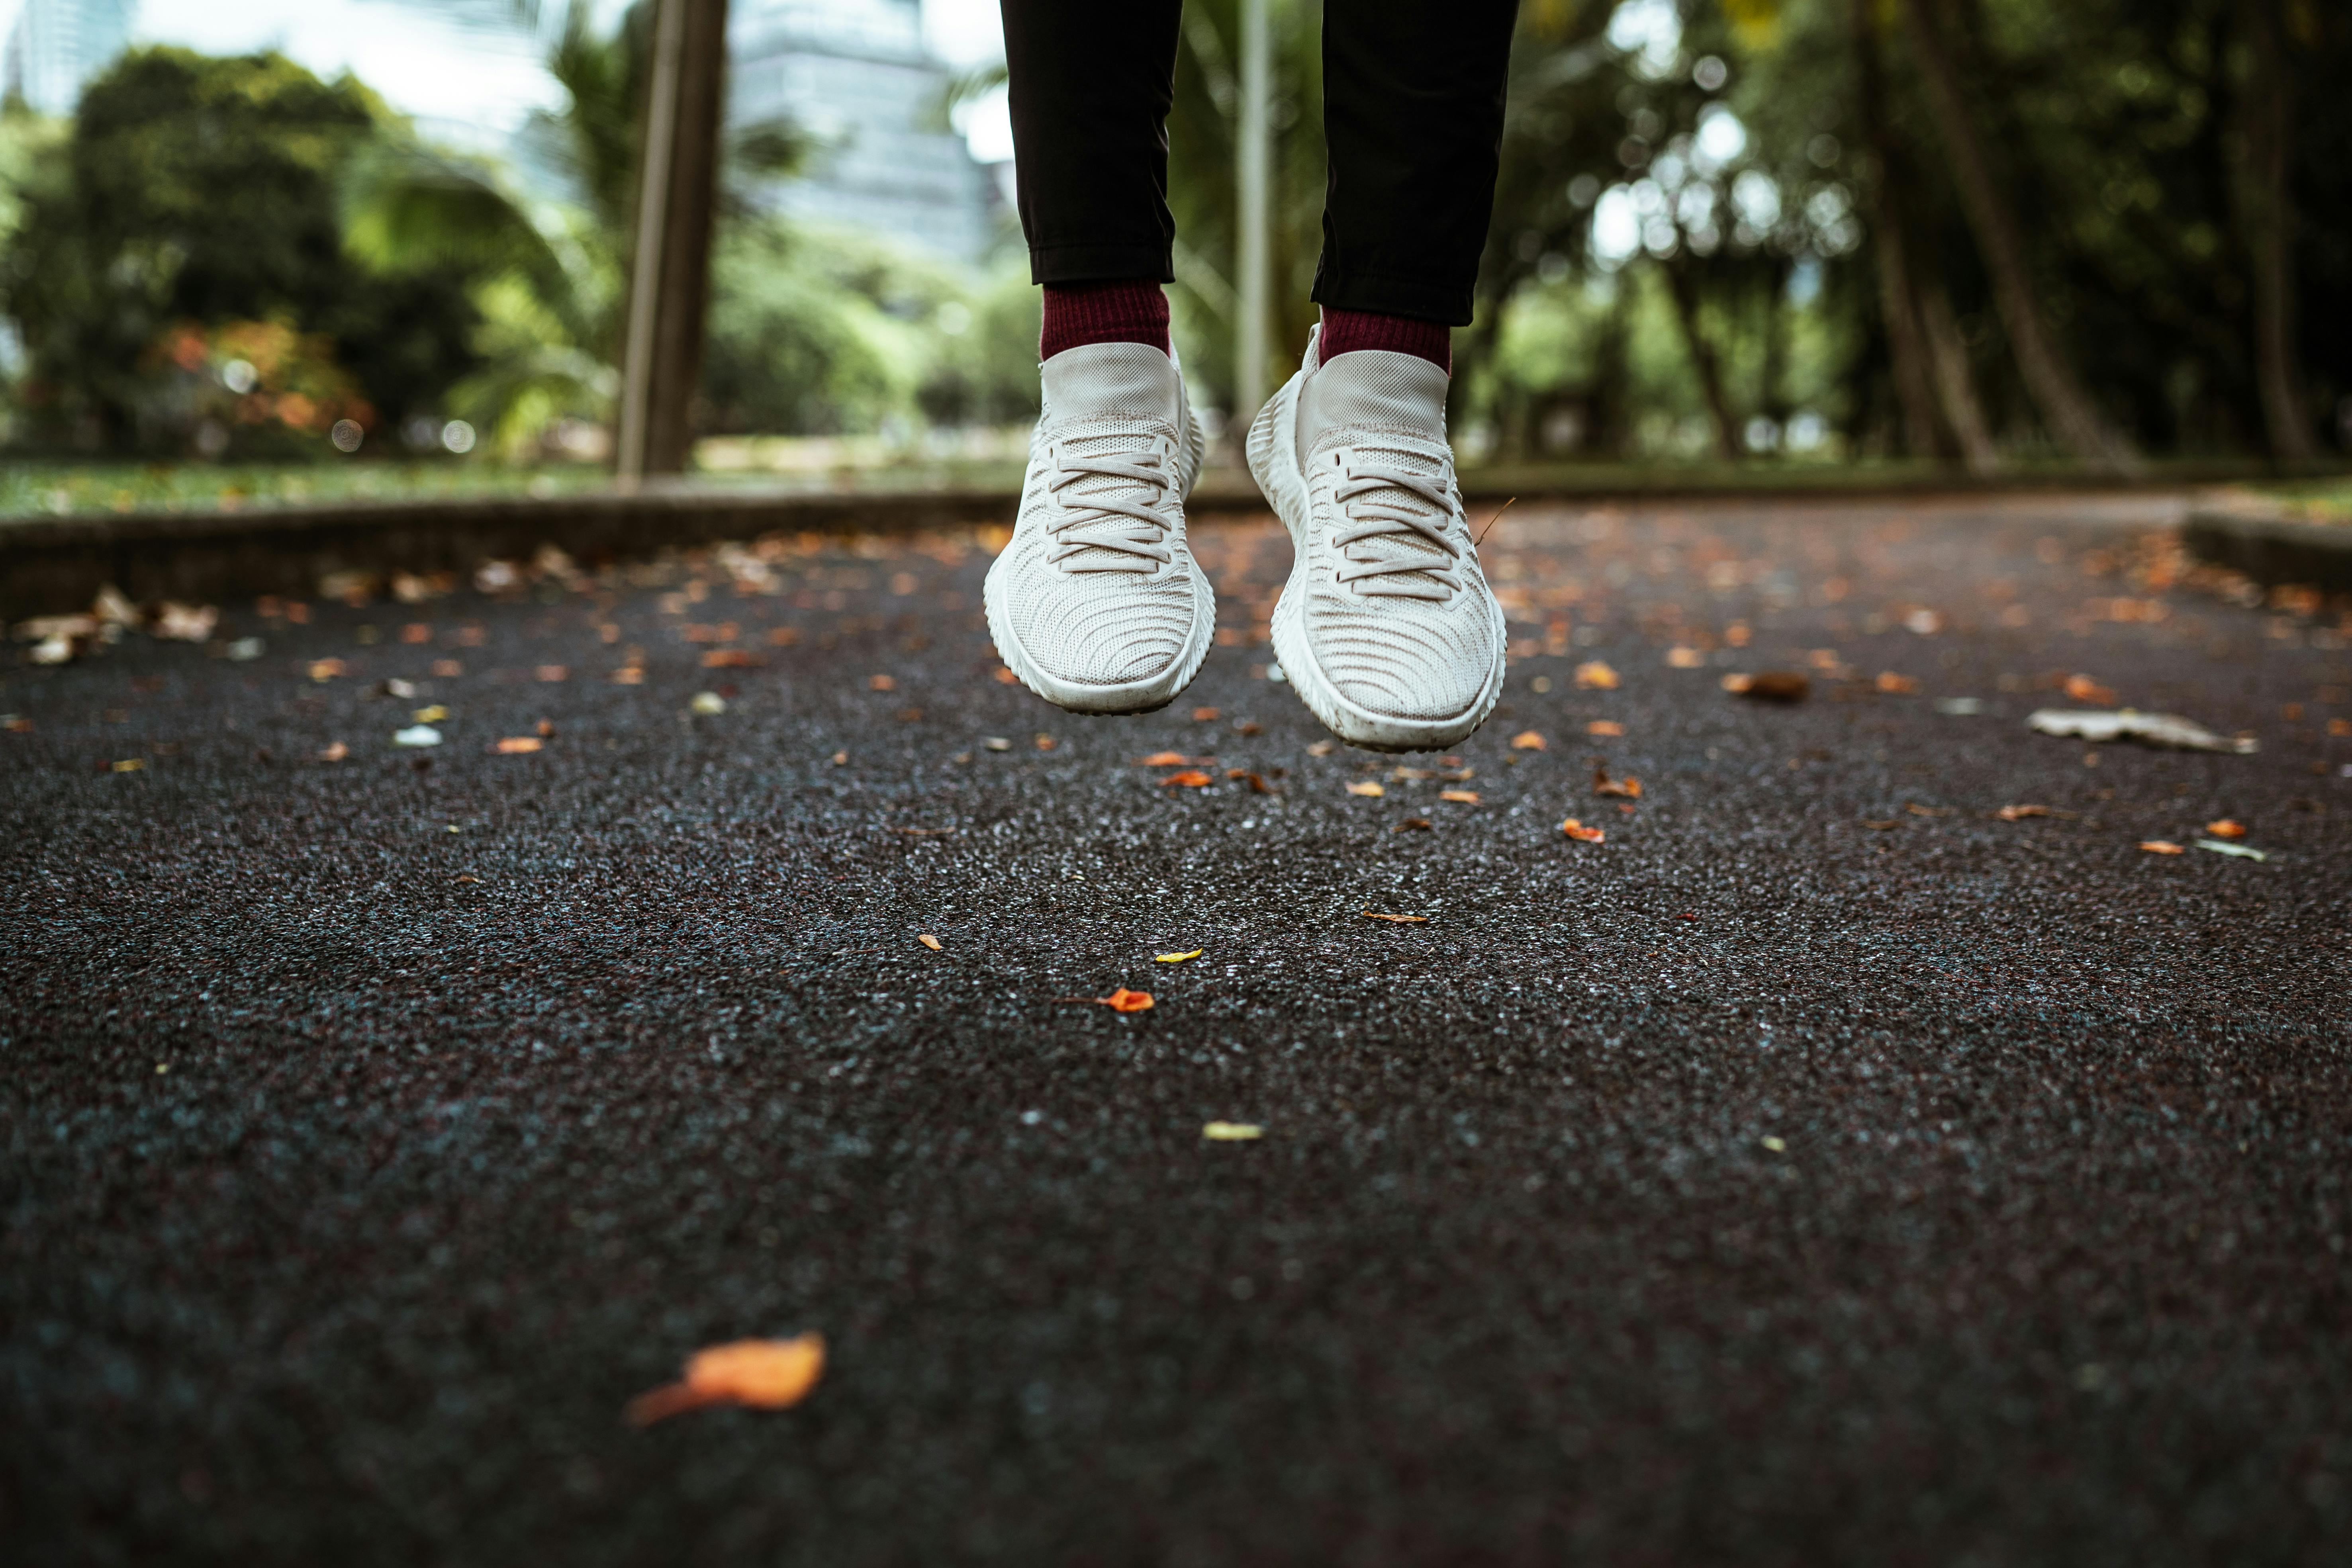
(1131, 697)
(1273, 463)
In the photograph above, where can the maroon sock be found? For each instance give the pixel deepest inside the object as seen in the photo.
(1344, 331)
(1079, 313)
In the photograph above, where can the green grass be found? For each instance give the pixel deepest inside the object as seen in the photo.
(2316, 501)
(70, 490)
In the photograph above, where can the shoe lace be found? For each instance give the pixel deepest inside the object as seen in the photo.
(1384, 500)
(1113, 527)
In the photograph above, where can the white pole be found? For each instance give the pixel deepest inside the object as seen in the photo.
(1253, 165)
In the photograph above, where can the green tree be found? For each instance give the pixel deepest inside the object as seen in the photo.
(192, 189)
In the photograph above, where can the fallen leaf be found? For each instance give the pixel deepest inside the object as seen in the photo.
(880, 683)
(1895, 685)
(1005, 676)
(449, 668)
(1772, 686)
(2225, 828)
(1581, 833)
(1880, 826)
(2083, 688)
(1204, 715)
(996, 743)
(1396, 919)
(335, 752)
(1231, 1131)
(629, 675)
(839, 759)
(466, 877)
(2161, 847)
(767, 1374)
(2219, 848)
(2020, 812)
(16, 724)
(1407, 775)
(1178, 957)
(708, 703)
(1044, 742)
(1191, 778)
(1248, 727)
(1527, 740)
(1595, 676)
(1605, 727)
(1411, 824)
(1168, 759)
(1366, 787)
(1918, 810)
(1774, 1145)
(785, 636)
(518, 745)
(554, 672)
(1125, 1001)
(1255, 781)
(928, 939)
(1322, 748)
(417, 735)
(730, 658)
(432, 714)
(1629, 787)
(547, 729)
(2156, 729)
(185, 623)
(415, 632)
(1684, 658)
(1459, 797)
(328, 668)
(131, 765)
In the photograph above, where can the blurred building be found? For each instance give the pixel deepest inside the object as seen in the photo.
(58, 45)
(854, 76)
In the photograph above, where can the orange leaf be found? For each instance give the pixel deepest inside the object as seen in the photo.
(516, 745)
(1204, 715)
(1125, 1001)
(335, 753)
(1396, 919)
(629, 675)
(2161, 847)
(1595, 676)
(328, 668)
(1527, 740)
(1410, 824)
(1581, 833)
(881, 683)
(1895, 685)
(1459, 797)
(1164, 760)
(730, 658)
(769, 1374)
(1605, 727)
(2083, 688)
(2225, 828)
(928, 939)
(1191, 778)
(554, 672)
(1006, 678)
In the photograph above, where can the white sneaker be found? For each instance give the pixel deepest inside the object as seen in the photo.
(1387, 629)
(1097, 603)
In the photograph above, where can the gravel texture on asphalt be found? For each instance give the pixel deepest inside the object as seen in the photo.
(1821, 1168)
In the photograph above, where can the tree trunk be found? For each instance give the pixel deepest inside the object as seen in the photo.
(1955, 390)
(1899, 310)
(2266, 206)
(2048, 373)
(1685, 290)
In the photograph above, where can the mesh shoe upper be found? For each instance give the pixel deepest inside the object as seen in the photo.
(1097, 583)
(1397, 612)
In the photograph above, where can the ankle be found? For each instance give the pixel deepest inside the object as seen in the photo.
(1116, 312)
(1345, 331)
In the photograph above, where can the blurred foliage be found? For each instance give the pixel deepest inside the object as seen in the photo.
(196, 190)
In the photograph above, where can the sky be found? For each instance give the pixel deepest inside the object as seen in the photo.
(437, 71)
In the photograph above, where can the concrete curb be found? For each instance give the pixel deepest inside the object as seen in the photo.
(2273, 550)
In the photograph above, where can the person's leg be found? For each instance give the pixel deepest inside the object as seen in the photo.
(1090, 86)
(1387, 628)
(1412, 114)
(1096, 604)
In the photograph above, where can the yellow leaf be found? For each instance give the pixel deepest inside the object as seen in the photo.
(928, 939)
(1684, 658)
(1366, 787)
(432, 715)
(1581, 833)
(1231, 1131)
(769, 1374)
(1459, 797)
(1595, 676)
(1178, 957)
(518, 745)
(1527, 740)
(1605, 727)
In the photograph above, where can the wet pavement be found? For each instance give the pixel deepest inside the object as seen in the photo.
(1823, 1167)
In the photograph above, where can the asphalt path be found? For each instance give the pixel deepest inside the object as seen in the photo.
(1821, 1168)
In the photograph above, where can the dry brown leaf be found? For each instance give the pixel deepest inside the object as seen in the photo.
(1204, 715)
(518, 745)
(1459, 797)
(928, 939)
(2083, 688)
(1581, 833)
(629, 675)
(839, 759)
(2020, 812)
(335, 752)
(1595, 676)
(1191, 778)
(2161, 847)
(1396, 919)
(880, 683)
(2225, 828)
(449, 668)
(1322, 748)
(1168, 759)
(1005, 676)
(1918, 810)
(1527, 740)
(767, 1374)
(416, 632)
(1605, 727)
(466, 877)
(547, 729)
(1684, 658)
(1895, 685)
(730, 658)
(328, 668)
(1772, 686)
(1366, 787)
(1255, 781)
(1125, 1001)
(1628, 788)
(783, 636)
(1411, 824)
(1043, 742)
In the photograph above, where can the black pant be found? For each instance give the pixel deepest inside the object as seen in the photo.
(1412, 116)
